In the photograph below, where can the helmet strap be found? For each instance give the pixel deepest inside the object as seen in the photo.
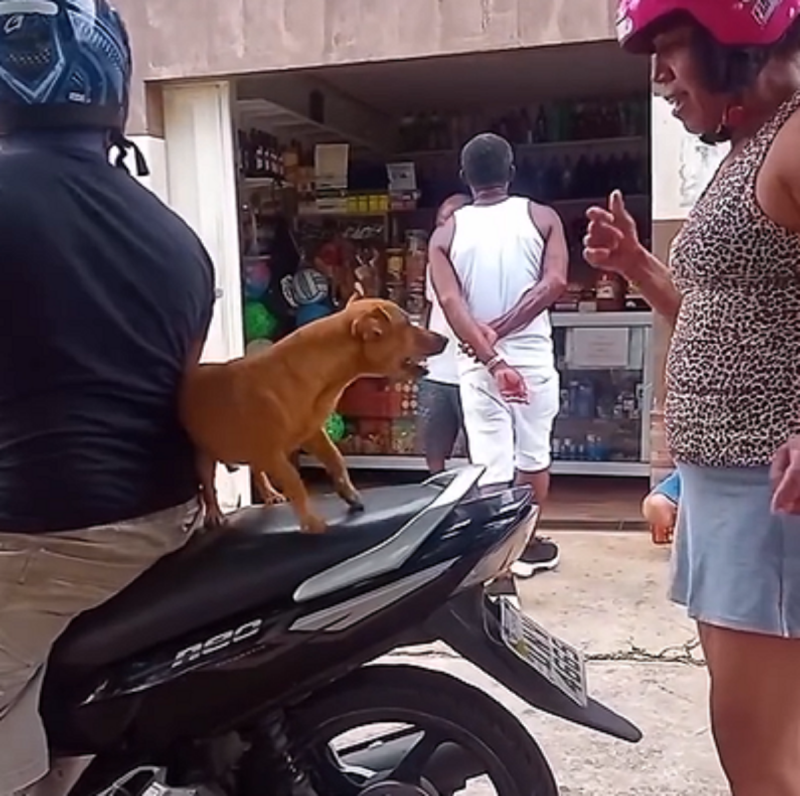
(732, 118)
(123, 145)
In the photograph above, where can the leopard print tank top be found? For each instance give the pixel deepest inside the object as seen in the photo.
(733, 371)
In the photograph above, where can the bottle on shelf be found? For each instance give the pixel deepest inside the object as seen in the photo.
(407, 139)
(526, 127)
(610, 291)
(541, 132)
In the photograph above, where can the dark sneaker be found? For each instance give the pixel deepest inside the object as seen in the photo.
(541, 556)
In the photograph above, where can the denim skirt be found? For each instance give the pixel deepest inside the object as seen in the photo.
(735, 564)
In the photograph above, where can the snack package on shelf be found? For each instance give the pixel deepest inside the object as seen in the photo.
(395, 283)
(404, 437)
(330, 259)
(405, 400)
(374, 436)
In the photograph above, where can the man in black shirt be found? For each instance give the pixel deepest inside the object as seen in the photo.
(107, 297)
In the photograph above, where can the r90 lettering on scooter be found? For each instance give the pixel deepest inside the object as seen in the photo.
(217, 643)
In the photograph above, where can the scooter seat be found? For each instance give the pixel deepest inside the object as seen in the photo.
(258, 558)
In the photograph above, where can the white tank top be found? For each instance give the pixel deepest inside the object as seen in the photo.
(442, 368)
(497, 253)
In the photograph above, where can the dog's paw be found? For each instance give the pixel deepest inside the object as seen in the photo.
(313, 524)
(354, 501)
(349, 494)
(275, 500)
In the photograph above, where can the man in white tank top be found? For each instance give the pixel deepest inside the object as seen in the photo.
(497, 266)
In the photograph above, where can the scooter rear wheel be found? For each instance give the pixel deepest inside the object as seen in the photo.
(457, 733)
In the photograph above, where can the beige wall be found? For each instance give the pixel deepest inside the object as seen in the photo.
(175, 39)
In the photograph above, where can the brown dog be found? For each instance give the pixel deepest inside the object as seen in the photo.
(261, 409)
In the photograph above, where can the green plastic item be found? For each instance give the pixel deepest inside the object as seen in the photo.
(259, 322)
(336, 427)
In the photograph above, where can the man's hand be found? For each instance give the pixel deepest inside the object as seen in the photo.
(510, 384)
(489, 334)
(785, 475)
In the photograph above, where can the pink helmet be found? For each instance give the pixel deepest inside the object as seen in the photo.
(745, 23)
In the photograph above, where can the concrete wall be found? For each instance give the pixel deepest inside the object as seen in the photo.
(178, 39)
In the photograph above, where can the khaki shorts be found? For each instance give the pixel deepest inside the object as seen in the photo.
(46, 580)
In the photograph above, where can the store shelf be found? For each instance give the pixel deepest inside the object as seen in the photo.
(261, 182)
(566, 204)
(377, 462)
(417, 464)
(287, 123)
(317, 214)
(622, 469)
(589, 319)
(585, 143)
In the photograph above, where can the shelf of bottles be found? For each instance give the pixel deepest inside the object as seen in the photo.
(547, 123)
(566, 151)
(604, 411)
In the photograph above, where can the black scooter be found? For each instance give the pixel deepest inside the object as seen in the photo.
(237, 666)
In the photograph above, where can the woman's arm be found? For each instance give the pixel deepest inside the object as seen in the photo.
(655, 284)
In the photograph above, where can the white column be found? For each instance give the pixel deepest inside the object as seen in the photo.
(682, 164)
(201, 186)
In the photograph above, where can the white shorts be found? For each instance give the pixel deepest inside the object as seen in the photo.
(505, 437)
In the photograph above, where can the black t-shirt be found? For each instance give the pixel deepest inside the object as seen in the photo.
(104, 292)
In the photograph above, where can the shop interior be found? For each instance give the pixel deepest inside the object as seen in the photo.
(340, 171)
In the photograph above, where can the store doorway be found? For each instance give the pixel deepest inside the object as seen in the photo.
(340, 170)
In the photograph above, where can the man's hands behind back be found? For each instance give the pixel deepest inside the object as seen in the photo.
(510, 382)
(489, 334)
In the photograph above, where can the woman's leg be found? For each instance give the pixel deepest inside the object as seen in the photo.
(755, 709)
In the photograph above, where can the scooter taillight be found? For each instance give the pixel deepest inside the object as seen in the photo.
(499, 559)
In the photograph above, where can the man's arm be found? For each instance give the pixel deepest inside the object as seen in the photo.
(429, 297)
(448, 291)
(551, 286)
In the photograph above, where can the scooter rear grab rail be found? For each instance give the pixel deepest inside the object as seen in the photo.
(397, 549)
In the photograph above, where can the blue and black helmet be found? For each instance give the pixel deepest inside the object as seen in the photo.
(63, 63)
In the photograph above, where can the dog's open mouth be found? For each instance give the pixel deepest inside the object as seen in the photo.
(414, 369)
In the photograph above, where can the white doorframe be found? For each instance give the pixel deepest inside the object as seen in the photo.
(201, 185)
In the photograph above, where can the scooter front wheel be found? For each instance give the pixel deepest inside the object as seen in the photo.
(439, 737)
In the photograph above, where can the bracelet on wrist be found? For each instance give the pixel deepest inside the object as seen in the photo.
(494, 362)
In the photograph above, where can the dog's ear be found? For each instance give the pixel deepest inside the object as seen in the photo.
(358, 293)
(372, 325)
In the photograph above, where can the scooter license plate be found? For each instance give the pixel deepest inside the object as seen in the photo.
(559, 663)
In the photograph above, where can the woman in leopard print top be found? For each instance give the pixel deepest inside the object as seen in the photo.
(731, 69)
